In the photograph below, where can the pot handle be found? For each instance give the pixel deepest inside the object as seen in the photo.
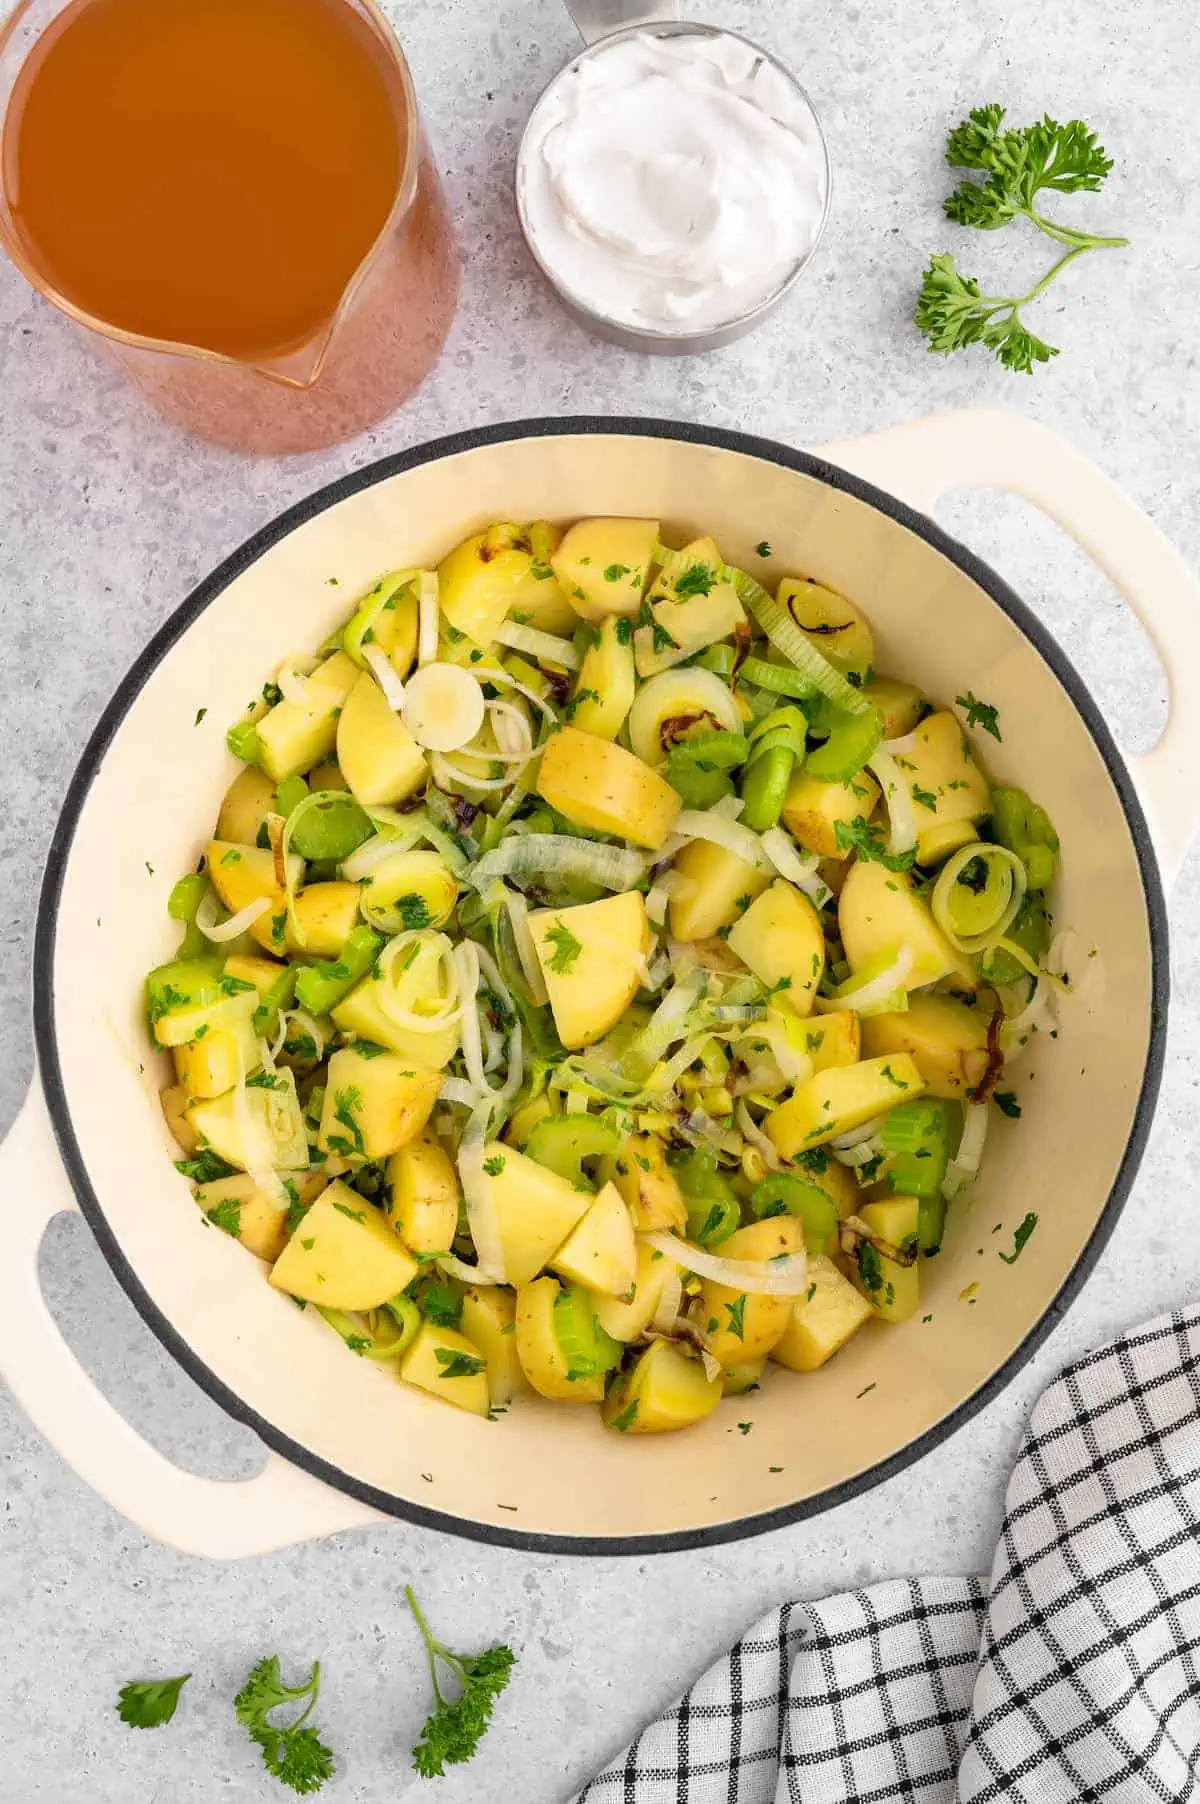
(223, 1520)
(923, 460)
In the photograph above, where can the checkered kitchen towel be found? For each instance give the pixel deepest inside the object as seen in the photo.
(1074, 1675)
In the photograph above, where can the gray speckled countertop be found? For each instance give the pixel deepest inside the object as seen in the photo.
(107, 519)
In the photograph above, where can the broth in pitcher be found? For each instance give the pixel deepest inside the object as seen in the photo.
(237, 195)
(208, 174)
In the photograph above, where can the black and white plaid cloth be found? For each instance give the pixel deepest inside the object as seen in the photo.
(1072, 1677)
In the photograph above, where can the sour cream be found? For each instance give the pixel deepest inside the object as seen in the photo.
(673, 182)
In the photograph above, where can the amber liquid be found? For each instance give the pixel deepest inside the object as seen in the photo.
(208, 172)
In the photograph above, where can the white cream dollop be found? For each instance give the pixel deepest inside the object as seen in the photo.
(673, 182)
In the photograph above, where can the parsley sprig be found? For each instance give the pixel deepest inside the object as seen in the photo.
(295, 1755)
(454, 1729)
(1017, 165)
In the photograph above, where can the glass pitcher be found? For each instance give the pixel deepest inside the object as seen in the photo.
(360, 364)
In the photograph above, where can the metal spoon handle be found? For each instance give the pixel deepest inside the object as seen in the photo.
(598, 18)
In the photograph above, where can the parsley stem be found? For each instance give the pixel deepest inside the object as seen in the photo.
(993, 302)
(433, 1647)
(1067, 235)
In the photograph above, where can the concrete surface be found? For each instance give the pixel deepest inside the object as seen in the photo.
(106, 521)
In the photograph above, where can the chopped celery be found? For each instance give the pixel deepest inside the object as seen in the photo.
(764, 789)
(1027, 830)
(182, 905)
(853, 739)
(712, 1219)
(586, 1348)
(697, 785)
(291, 792)
(182, 984)
(784, 1193)
(242, 740)
(388, 1340)
(563, 1142)
(720, 659)
(780, 679)
(328, 824)
(279, 996)
(916, 1140)
(319, 987)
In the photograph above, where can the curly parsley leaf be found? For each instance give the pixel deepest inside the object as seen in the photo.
(205, 1168)
(1016, 164)
(455, 1727)
(294, 1754)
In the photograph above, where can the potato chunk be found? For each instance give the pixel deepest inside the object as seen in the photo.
(600, 785)
(373, 1106)
(238, 1206)
(780, 939)
(363, 1014)
(449, 1366)
(377, 755)
(601, 1253)
(649, 1188)
(593, 958)
(424, 1195)
(946, 1040)
(534, 1210)
(489, 1320)
(293, 736)
(719, 886)
(344, 1255)
(939, 764)
(667, 1389)
(603, 564)
(738, 1325)
(879, 912)
(812, 810)
(823, 1320)
(841, 1098)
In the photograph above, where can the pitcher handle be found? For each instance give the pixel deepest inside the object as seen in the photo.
(923, 460)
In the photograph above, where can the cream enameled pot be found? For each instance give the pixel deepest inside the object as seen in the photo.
(347, 1442)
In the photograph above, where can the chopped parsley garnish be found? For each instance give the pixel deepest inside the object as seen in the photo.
(344, 1104)
(457, 1365)
(200, 713)
(870, 1270)
(867, 840)
(697, 579)
(566, 948)
(736, 1312)
(625, 1421)
(615, 572)
(227, 1215)
(624, 631)
(979, 714)
(353, 1214)
(763, 548)
(266, 1080)
(577, 700)
(899, 1082)
(494, 1166)
(232, 986)
(1020, 1239)
(205, 1168)
(442, 1305)
(925, 797)
(1008, 1105)
(414, 912)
